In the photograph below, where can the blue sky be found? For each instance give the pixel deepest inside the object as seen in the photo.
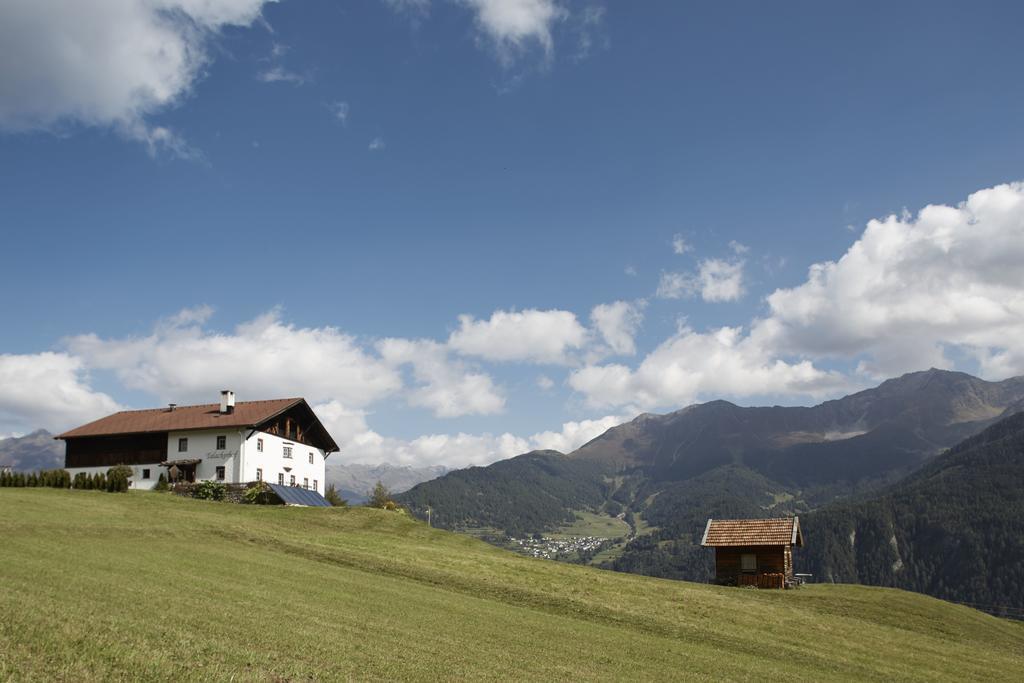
(355, 176)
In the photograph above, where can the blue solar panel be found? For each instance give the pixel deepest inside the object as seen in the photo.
(293, 495)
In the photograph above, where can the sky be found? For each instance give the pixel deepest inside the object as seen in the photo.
(465, 229)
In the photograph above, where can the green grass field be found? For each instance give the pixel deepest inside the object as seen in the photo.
(145, 586)
(592, 524)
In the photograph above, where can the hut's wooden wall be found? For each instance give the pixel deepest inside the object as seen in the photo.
(771, 559)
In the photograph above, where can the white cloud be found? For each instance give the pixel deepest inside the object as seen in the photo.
(47, 390)
(630, 271)
(679, 245)
(677, 286)
(716, 280)
(722, 362)
(911, 287)
(618, 323)
(575, 434)
(182, 362)
(107, 63)
(340, 111)
(446, 387)
(377, 144)
(512, 25)
(905, 295)
(461, 449)
(529, 336)
(738, 247)
(279, 74)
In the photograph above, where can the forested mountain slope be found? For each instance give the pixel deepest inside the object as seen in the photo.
(954, 529)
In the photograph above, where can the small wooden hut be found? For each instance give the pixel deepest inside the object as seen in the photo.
(754, 552)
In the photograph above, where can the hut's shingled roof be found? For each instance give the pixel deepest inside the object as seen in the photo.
(746, 532)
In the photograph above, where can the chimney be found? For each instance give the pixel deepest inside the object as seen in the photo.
(227, 401)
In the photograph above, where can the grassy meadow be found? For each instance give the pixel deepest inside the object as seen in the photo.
(146, 586)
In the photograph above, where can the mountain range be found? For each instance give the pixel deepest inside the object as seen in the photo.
(667, 474)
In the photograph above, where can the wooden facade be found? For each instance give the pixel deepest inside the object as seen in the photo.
(120, 449)
(754, 552)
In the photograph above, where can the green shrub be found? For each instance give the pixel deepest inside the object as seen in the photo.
(333, 497)
(256, 494)
(161, 483)
(209, 490)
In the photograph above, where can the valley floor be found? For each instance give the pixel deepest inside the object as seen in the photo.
(145, 586)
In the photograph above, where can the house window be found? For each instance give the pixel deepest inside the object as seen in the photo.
(310, 458)
(145, 474)
(748, 562)
(287, 451)
(259, 445)
(292, 481)
(316, 485)
(220, 473)
(305, 483)
(222, 442)
(182, 445)
(280, 478)
(259, 474)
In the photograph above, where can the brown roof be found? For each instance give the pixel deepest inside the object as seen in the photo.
(207, 416)
(741, 532)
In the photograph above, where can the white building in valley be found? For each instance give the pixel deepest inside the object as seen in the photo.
(278, 441)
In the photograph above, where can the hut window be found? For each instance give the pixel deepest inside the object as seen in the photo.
(280, 478)
(259, 445)
(291, 481)
(145, 474)
(305, 483)
(259, 474)
(316, 485)
(287, 451)
(748, 562)
(222, 442)
(220, 473)
(310, 458)
(182, 445)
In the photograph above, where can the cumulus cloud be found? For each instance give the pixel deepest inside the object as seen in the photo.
(446, 387)
(716, 280)
(48, 390)
(911, 292)
(182, 362)
(690, 364)
(513, 25)
(461, 449)
(913, 287)
(528, 336)
(107, 63)
(618, 323)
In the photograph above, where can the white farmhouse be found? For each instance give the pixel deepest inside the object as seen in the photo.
(279, 441)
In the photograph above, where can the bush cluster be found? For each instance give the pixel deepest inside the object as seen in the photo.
(210, 490)
(57, 479)
(115, 480)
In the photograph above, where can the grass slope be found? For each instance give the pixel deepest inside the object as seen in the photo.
(147, 586)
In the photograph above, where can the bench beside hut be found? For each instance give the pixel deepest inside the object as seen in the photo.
(754, 552)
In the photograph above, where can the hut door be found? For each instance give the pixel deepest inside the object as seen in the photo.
(748, 563)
